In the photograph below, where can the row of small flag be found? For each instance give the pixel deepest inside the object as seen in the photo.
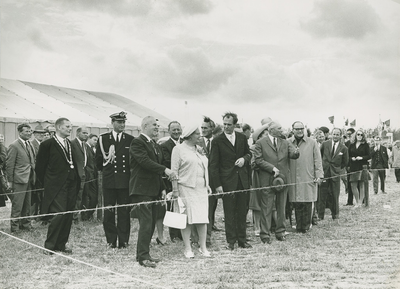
(384, 124)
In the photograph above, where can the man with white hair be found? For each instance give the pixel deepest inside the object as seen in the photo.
(146, 185)
(272, 155)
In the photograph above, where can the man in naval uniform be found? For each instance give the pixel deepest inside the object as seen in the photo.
(112, 158)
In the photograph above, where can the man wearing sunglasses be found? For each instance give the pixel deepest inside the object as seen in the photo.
(305, 172)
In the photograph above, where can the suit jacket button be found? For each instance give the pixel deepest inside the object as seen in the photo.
(123, 156)
(124, 171)
(115, 171)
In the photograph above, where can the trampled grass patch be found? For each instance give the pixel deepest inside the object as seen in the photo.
(360, 250)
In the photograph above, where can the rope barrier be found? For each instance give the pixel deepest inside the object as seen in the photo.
(162, 201)
(41, 189)
(84, 263)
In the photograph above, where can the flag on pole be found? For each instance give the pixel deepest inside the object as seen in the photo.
(387, 123)
(353, 123)
(331, 119)
(346, 122)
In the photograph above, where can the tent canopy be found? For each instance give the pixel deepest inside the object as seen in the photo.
(39, 102)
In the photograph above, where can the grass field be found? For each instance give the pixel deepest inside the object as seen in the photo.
(361, 250)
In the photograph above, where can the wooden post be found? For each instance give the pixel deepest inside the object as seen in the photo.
(366, 177)
(100, 202)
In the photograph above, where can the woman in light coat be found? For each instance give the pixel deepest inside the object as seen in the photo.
(190, 164)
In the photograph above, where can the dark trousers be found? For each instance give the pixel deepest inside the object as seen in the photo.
(235, 210)
(267, 206)
(89, 198)
(123, 228)
(330, 189)
(397, 174)
(350, 196)
(60, 225)
(381, 173)
(147, 215)
(303, 213)
(78, 204)
(212, 206)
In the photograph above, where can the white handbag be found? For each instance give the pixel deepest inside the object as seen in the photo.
(175, 220)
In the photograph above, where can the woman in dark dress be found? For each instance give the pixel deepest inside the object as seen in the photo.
(358, 157)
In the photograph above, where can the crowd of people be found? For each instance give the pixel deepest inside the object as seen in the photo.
(264, 170)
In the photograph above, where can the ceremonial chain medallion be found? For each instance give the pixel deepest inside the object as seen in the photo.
(69, 160)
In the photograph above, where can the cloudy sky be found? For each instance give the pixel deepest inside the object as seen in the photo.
(290, 60)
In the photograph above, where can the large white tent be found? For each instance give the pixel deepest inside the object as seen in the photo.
(22, 101)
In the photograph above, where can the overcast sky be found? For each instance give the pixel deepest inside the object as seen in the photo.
(290, 60)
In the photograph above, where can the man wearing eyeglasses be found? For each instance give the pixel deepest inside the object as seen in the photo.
(305, 172)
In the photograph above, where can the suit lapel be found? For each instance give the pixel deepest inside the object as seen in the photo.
(270, 143)
(227, 142)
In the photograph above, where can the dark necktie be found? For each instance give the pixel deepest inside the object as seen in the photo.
(333, 149)
(28, 150)
(208, 146)
(275, 142)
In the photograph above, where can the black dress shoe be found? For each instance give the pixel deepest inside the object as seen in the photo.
(111, 245)
(155, 260)
(266, 241)
(230, 246)
(148, 264)
(245, 245)
(281, 238)
(123, 245)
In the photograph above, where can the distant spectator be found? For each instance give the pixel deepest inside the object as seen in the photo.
(396, 159)
(379, 164)
(246, 130)
(325, 130)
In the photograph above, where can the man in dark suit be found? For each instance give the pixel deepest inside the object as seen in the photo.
(335, 157)
(272, 154)
(79, 145)
(90, 189)
(38, 134)
(112, 158)
(379, 164)
(207, 128)
(228, 171)
(175, 131)
(146, 185)
(37, 194)
(20, 168)
(56, 170)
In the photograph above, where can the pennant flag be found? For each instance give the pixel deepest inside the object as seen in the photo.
(346, 122)
(353, 123)
(331, 119)
(387, 123)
